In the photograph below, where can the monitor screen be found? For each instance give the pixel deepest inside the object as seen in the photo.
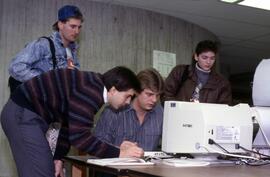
(192, 127)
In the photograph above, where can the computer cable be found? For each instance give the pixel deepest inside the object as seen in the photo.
(227, 154)
(254, 162)
(255, 152)
(249, 161)
(211, 141)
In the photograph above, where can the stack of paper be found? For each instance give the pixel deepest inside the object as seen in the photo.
(184, 162)
(119, 161)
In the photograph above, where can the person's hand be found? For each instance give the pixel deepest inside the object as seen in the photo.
(130, 149)
(70, 64)
(127, 144)
(58, 165)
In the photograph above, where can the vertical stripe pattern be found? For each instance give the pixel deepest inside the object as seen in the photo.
(71, 97)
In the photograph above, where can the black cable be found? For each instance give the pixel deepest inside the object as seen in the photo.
(256, 163)
(211, 141)
(255, 152)
(247, 162)
(250, 151)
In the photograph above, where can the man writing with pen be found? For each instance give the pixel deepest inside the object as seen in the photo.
(141, 121)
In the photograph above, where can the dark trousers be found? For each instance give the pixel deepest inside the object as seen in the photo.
(26, 131)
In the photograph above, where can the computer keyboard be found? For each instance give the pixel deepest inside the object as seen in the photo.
(156, 154)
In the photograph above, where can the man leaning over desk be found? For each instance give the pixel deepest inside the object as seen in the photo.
(141, 121)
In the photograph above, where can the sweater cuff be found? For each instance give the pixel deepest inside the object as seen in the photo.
(58, 157)
(111, 152)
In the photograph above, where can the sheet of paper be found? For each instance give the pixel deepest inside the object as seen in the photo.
(119, 161)
(184, 163)
(163, 62)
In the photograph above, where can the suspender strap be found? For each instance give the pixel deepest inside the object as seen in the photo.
(52, 48)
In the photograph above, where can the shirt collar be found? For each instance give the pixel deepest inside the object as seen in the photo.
(105, 95)
(73, 46)
(200, 69)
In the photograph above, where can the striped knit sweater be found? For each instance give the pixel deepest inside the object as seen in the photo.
(71, 97)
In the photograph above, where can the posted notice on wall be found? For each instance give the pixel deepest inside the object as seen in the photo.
(163, 62)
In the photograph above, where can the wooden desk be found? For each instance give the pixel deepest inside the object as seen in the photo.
(221, 171)
(169, 171)
(82, 160)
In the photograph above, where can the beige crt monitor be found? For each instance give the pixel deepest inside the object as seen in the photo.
(188, 126)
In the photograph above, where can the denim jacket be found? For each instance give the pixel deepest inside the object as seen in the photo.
(36, 58)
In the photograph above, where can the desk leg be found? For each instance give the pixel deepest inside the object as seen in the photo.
(78, 171)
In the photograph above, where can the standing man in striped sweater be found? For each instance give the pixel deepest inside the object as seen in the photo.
(59, 50)
(72, 98)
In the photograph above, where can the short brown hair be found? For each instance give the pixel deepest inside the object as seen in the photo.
(205, 46)
(151, 79)
(122, 78)
(55, 25)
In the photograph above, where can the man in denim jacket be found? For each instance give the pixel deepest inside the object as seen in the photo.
(36, 57)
